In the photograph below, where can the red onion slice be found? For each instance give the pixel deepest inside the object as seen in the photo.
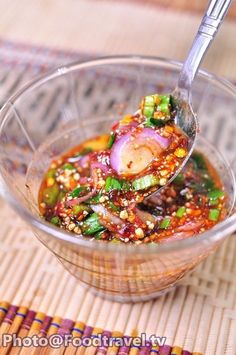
(131, 154)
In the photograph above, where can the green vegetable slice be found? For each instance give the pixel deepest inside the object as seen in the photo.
(55, 220)
(111, 140)
(77, 191)
(112, 184)
(209, 184)
(50, 195)
(113, 207)
(180, 212)
(199, 161)
(98, 235)
(92, 225)
(68, 166)
(79, 208)
(164, 107)
(179, 180)
(145, 182)
(214, 215)
(51, 173)
(154, 122)
(213, 202)
(148, 111)
(94, 199)
(165, 223)
(215, 194)
(156, 103)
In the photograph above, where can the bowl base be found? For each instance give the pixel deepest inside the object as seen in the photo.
(126, 299)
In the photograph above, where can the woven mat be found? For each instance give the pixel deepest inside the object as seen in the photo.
(199, 315)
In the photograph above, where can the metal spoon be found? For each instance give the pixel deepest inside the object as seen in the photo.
(185, 117)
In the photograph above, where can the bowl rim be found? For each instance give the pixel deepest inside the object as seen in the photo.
(218, 232)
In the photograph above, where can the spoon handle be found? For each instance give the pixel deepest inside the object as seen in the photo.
(207, 30)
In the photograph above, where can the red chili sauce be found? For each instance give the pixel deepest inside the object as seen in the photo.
(102, 187)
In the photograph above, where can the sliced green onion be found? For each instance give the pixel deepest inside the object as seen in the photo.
(112, 184)
(213, 202)
(157, 122)
(149, 106)
(199, 161)
(145, 182)
(98, 235)
(55, 220)
(180, 212)
(51, 173)
(79, 208)
(61, 194)
(164, 107)
(113, 207)
(148, 111)
(149, 123)
(68, 166)
(94, 199)
(165, 99)
(76, 192)
(165, 223)
(214, 215)
(214, 194)
(149, 100)
(111, 140)
(125, 185)
(179, 180)
(92, 225)
(50, 195)
(209, 184)
(173, 103)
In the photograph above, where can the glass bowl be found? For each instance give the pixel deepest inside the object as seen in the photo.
(75, 102)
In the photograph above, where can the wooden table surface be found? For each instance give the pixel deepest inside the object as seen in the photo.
(116, 27)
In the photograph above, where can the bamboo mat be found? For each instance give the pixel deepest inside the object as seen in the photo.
(116, 27)
(199, 315)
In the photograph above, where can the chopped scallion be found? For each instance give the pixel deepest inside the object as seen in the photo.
(51, 173)
(179, 180)
(98, 235)
(113, 207)
(92, 225)
(213, 202)
(112, 184)
(215, 194)
(68, 166)
(111, 140)
(94, 199)
(180, 212)
(214, 215)
(145, 182)
(165, 99)
(199, 161)
(157, 122)
(55, 220)
(50, 195)
(148, 111)
(77, 191)
(164, 107)
(165, 223)
(79, 208)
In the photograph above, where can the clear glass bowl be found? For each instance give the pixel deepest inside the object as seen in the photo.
(78, 101)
